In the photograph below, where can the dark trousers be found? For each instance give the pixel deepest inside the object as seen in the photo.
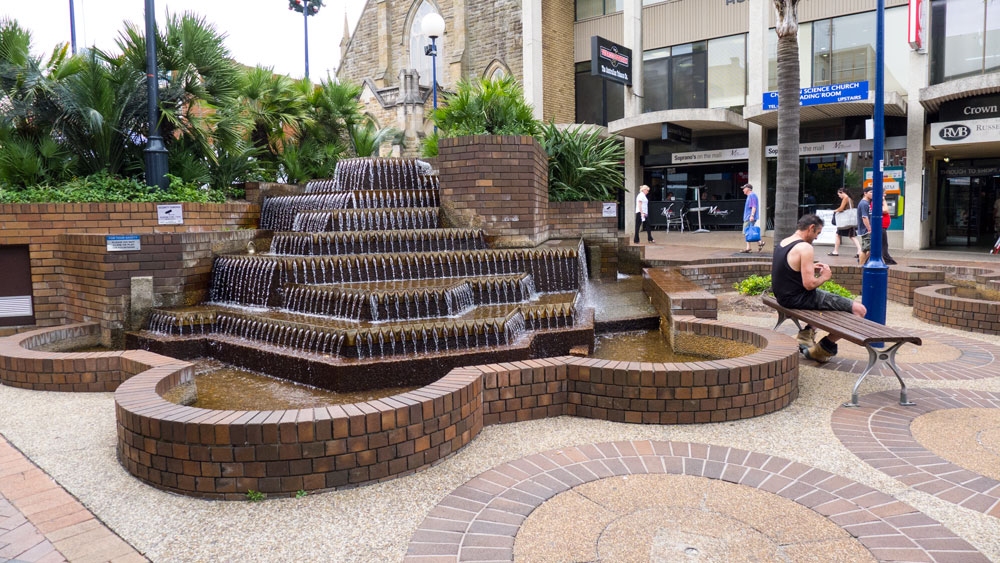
(639, 223)
(885, 247)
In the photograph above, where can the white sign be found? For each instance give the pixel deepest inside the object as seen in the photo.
(16, 306)
(964, 132)
(710, 156)
(609, 210)
(826, 147)
(829, 233)
(122, 243)
(172, 214)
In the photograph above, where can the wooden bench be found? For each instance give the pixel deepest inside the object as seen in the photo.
(852, 328)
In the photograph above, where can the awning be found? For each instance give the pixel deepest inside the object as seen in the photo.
(932, 97)
(649, 126)
(894, 107)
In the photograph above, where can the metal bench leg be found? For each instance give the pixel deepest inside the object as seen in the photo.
(783, 317)
(875, 358)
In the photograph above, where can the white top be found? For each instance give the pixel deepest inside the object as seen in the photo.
(641, 204)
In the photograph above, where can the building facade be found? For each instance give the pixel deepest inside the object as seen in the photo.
(698, 121)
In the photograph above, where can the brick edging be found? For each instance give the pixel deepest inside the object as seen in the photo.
(935, 304)
(881, 437)
(22, 366)
(491, 507)
(223, 454)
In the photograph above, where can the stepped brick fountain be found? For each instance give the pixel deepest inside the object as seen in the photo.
(360, 272)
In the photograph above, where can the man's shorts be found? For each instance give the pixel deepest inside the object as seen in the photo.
(866, 242)
(746, 225)
(825, 301)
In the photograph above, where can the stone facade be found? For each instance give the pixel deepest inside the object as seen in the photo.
(378, 57)
(558, 69)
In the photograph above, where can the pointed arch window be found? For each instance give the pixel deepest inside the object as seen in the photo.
(418, 40)
(496, 70)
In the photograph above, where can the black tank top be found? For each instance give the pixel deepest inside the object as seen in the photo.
(786, 282)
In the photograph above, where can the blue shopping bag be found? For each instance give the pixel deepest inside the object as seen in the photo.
(752, 233)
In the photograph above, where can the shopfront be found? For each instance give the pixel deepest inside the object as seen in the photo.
(966, 142)
(681, 182)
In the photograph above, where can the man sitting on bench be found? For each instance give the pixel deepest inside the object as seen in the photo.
(795, 279)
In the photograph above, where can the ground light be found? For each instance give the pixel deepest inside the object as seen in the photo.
(433, 26)
(875, 276)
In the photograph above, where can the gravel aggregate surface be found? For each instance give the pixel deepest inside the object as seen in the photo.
(72, 437)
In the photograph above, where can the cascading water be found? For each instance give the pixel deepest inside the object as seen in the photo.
(358, 267)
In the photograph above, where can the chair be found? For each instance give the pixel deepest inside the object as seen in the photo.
(675, 217)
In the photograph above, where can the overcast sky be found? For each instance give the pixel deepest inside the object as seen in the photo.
(262, 32)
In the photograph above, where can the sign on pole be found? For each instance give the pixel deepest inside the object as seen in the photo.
(610, 60)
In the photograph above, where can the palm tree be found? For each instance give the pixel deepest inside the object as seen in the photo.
(367, 137)
(787, 181)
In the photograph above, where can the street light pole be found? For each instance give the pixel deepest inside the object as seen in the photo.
(305, 24)
(433, 26)
(875, 275)
(156, 152)
(72, 28)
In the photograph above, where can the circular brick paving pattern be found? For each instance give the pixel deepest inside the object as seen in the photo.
(881, 436)
(941, 357)
(675, 518)
(967, 437)
(480, 520)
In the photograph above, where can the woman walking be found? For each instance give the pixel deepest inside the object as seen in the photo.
(846, 220)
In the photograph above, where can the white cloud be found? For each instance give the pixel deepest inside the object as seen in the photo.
(258, 31)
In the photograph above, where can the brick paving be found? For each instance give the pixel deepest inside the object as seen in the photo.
(489, 509)
(41, 522)
(881, 437)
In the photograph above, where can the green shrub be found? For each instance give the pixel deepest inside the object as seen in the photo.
(755, 285)
(583, 164)
(104, 188)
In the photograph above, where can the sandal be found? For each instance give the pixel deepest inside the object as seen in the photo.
(745, 251)
(833, 254)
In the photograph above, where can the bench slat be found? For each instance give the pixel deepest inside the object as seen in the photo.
(845, 325)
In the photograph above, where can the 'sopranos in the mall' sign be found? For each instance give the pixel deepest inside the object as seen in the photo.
(610, 60)
(961, 132)
(832, 93)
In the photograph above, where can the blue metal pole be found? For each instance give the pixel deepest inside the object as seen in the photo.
(434, 75)
(72, 27)
(305, 20)
(875, 276)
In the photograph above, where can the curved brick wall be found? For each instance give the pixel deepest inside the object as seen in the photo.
(222, 454)
(22, 365)
(936, 304)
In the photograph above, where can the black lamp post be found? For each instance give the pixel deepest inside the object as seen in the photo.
(72, 28)
(433, 26)
(156, 152)
(306, 8)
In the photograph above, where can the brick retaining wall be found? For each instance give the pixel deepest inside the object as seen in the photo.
(497, 183)
(74, 279)
(575, 219)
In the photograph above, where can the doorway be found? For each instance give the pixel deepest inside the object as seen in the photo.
(15, 286)
(968, 204)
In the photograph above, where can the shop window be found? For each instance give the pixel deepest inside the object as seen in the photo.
(592, 8)
(727, 72)
(676, 77)
(418, 40)
(805, 56)
(598, 101)
(965, 38)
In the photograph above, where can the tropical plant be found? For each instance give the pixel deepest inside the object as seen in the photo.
(485, 107)
(584, 165)
(103, 187)
(787, 177)
(366, 138)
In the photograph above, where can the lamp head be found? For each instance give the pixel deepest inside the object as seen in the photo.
(432, 25)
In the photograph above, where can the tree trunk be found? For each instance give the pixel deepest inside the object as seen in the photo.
(786, 204)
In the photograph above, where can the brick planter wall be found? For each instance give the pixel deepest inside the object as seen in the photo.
(497, 183)
(222, 454)
(74, 278)
(574, 219)
(936, 304)
(674, 295)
